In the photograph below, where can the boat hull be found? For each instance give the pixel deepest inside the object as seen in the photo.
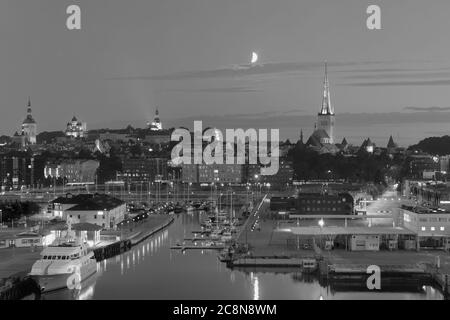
(52, 282)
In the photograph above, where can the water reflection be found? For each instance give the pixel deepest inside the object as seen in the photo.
(151, 270)
(85, 291)
(255, 282)
(150, 247)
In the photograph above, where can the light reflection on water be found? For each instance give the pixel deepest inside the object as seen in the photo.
(151, 270)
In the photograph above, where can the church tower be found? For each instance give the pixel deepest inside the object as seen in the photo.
(29, 127)
(325, 119)
(156, 124)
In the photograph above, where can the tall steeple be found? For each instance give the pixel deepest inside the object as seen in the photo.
(325, 118)
(29, 106)
(29, 118)
(326, 99)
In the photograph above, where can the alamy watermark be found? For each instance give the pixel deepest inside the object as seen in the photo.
(374, 280)
(251, 144)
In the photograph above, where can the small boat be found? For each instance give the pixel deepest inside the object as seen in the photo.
(197, 204)
(178, 209)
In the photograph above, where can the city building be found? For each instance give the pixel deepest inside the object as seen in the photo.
(75, 128)
(444, 163)
(252, 173)
(73, 171)
(156, 124)
(283, 177)
(431, 225)
(99, 209)
(214, 173)
(420, 163)
(189, 173)
(139, 170)
(16, 170)
(319, 203)
(158, 137)
(220, 173)
(325, 203)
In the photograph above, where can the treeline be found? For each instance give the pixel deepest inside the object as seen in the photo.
(433, 145)
(15, 209)
(362, 167)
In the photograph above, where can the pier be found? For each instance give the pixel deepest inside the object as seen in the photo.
(191, 247)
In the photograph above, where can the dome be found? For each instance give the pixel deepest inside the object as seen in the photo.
(29, 120)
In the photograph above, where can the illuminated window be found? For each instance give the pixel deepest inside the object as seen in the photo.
(433, 228)
(442, 228)
(423, 228)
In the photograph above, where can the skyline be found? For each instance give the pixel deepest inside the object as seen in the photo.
(191, 59)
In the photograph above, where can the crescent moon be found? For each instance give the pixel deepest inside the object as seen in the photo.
(254, 57)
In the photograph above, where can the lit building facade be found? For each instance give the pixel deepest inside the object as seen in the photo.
(156, 124)
(432, 226)
(73, 171)
(98, 209)
(76, 129)
(29, 127)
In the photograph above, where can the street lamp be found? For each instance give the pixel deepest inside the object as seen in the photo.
(321, 223)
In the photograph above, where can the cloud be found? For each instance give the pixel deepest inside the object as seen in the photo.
(296, 119)
(237, 71)
(427, 109)
(439, 82)
(412, 75)
(218, 90)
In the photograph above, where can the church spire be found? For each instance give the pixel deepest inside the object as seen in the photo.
(29, 106)
(326, 100)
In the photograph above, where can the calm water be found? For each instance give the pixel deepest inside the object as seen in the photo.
(151, 270)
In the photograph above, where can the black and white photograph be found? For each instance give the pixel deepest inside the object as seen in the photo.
(229, 155)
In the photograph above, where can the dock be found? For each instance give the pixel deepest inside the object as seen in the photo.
(190, 247)
(267, 262)
(142, 235)
(197, 239)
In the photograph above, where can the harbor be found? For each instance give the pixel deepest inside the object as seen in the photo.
(244, 240)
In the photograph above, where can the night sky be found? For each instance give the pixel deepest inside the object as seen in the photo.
(191, 59)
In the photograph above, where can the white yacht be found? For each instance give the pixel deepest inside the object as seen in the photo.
(64, 264)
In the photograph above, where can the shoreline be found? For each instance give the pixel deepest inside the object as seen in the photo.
(18, 261)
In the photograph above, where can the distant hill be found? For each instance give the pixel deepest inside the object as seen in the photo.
(433, 145)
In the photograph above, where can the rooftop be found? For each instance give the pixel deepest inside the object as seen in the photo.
(88, 202)
(317, 231)
(425, 210)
